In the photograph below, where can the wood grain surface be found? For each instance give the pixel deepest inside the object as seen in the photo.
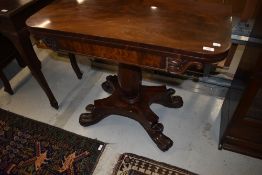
(170, 25)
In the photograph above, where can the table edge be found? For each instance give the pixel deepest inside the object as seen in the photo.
(205, 58)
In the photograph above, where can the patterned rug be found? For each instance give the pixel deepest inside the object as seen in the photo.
(131, 164)
(31, 147)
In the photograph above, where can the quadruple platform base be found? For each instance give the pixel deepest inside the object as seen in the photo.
(136, 107)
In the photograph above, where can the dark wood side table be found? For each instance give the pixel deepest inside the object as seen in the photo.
(13, 14)
(170, 35)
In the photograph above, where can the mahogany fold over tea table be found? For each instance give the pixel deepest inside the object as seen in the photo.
(170, 36)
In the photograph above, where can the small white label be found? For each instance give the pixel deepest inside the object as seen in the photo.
(241, 38)
(153, 7)
(216, 44)
(100, 147)
(4, 10)
(210, 49)
(244, 38)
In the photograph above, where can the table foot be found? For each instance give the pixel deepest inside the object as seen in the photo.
(93, 115)
(162, 141)
(110, 83)
(7, 86)
(138, 109)
(168, 98)
(54, 104)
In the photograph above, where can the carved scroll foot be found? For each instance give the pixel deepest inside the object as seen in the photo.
(87, 119)
(163, 142)
(110, 84)
(155, 129)
(168, 99)
(93, 116)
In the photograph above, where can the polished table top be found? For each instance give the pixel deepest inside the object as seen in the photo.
(188, 26)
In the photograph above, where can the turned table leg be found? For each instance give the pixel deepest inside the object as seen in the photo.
(74, 65)
(131, 99)
(7, 86)
(26, 51)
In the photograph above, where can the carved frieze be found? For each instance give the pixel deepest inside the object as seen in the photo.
(179, 65)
